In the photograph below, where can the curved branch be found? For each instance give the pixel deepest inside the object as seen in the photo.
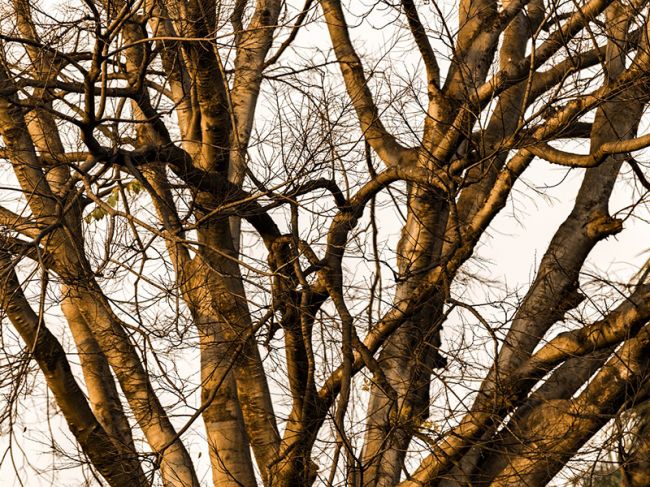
(556, 156)
(383, 143)
(638, 172)
(506, 78)
(422, 41)
(294, 32)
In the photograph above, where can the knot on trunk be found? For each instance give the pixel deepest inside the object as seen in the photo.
(602, 226)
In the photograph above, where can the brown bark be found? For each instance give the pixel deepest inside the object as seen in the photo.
(102, 392)
(162, 96)
(560, 427)
(635, 470)
(113, 459)
(554, 291)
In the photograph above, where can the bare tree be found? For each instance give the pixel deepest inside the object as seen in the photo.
(179, 257)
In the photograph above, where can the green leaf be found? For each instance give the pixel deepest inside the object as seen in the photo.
(134, 187)
(97, 214)
(113, 198)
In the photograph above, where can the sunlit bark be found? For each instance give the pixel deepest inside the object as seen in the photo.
(132, 137)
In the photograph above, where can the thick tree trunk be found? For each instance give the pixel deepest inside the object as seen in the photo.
(411, 354)
(175, 463)
(102, 392)
(561, 427)
(222, 415)
(228, 304)
(113, 459)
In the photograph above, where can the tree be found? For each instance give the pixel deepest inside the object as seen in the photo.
(164, 233)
